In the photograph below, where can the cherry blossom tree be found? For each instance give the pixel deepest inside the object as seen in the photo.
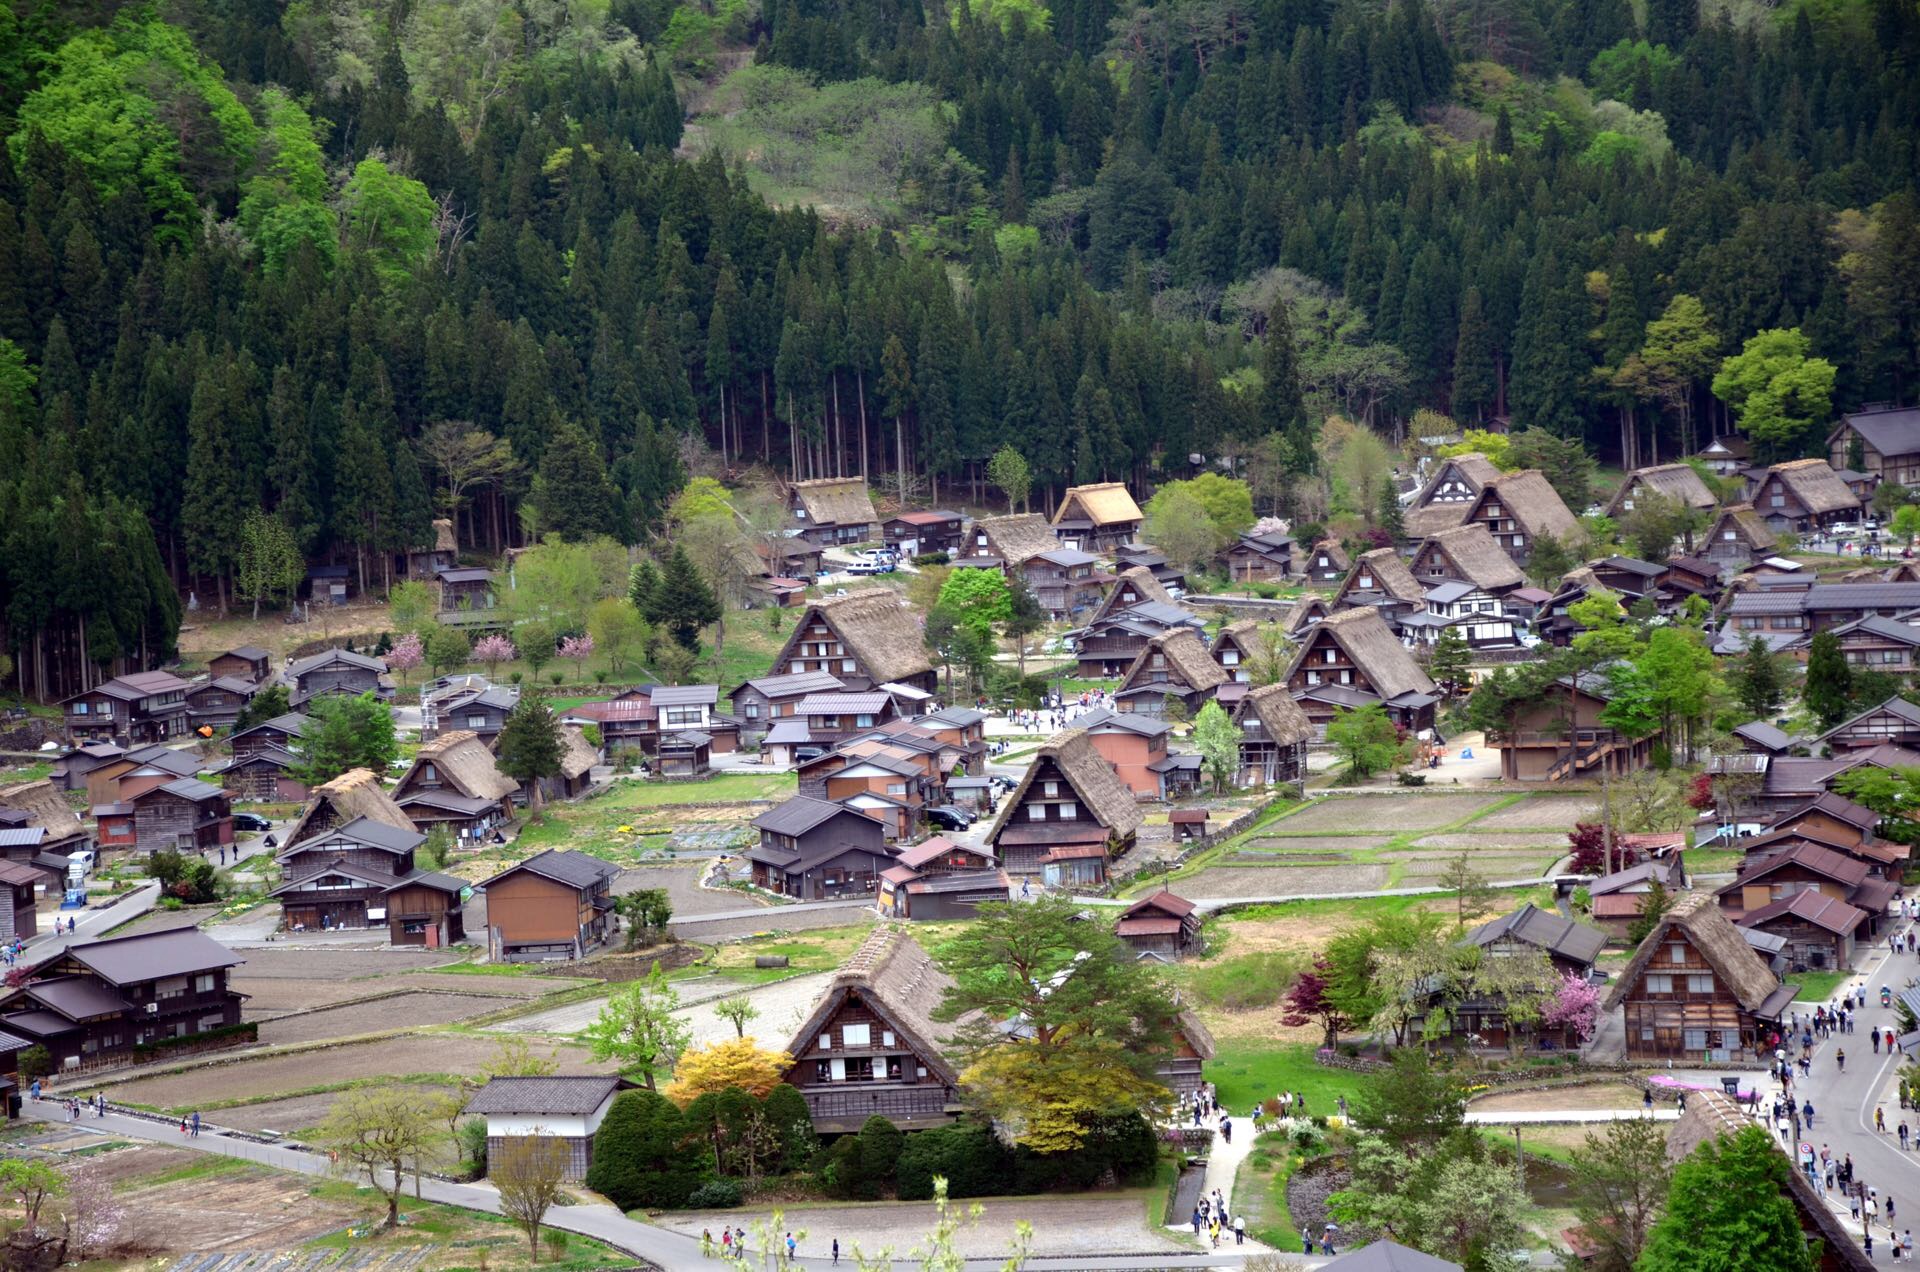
(493, 650)
(579, 649)
(1576, 1003)
(407, 653)
(92, 1213)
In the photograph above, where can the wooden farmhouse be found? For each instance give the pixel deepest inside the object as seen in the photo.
(891, 788)
(1738, 538)
(1884, 438)
(758, 703)
(1240, 650)
(557, 905)
(1381, 579)
(1007, 542)
(1327, 562)
(362, 875)
(1570, 948)
(466, 595)
(1175, 664)
(1619, 898)
(1451, 489)
(1067, 580)
(91, 1004)
(1879, 644)
(1161, 926)
(832, 512)
(1518, 508)
(1560, 736)
(72, 769)
(144, 768)
(915, 534)
(1165, 572)
(1894, 721)
(565, 1107)
(1097, 518)
(1806, 494)
(355, 793)
(263, 762)
(1806, 865)
(1306, 611)
(1477, 614)
(1466, 554)
(20, 885)
(1678, 482)
(140, 707)
(186, 814)
(1352, 660)
(866, 638)
(816, 850)
(1135, 610)
(1726, 456)
(1274, 733)
(939, 879)
(248, 662)
(454, 784)
(1821, 931)
(1134, 743)
(1261, 558)
(217, 703)
(1068, 816)
(1697, 991)
(870, 1046)
(337, 671)
(424, 561)
(474, 705)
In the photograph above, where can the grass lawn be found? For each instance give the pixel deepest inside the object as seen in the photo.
(28, 772)
(1260, 1191)
(819, 950)
(1244, 1072)
(1817, 987)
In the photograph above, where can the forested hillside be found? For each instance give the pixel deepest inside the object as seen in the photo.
(292, 258)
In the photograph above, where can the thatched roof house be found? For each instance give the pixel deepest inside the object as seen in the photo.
(835, 509)
(874, 1023)
(1174, 663)
(1384, 571)
(1274, 733)
(1282, 722)
(1466, 554)
(1372, 648)
(1013, 539)
(1820, 489)
(876, 632)
(1747, 528)
(455, 782)
(1678, 482)
(1103, 504)
(1069, 804)
(1449, 492)
(1135, 586)
(1696, 939)
(355, 793)
(1529, 501)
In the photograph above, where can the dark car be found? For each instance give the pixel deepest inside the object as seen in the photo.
(251, 821)
(948, 817)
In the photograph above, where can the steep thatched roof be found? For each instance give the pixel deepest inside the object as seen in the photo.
(1245, 636)
(1186, 657)
(44, 806)
(1374, 649)
(1424, 523)
(877, 629)
(1092, 779)
(895, 978)
(1279, 715)
(1473, 467)
(836, 501)
(1747, 524)
(1699, 919)
(576, 756)
(1336, 555)
(1674, 481)
(1019, 537)
(1530, 499)
(463, 762)
(1476, 558)
(1104, 503)
(1383, 570)
(355, 793)
(1816, 485)
(1136, 582)
(1307, 610)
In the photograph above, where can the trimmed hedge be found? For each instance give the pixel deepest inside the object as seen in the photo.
(250, 1030)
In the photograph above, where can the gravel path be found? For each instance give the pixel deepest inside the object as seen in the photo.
(782, 1006)
(1093, 1226)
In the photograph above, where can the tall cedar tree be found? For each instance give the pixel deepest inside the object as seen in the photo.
(1828, 691)
(1757, 679)
(530, 747)
(574, 497)
(683, 603)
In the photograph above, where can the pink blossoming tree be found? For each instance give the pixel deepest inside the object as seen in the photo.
(1576, 1003)
(407, 653)
(494, 650)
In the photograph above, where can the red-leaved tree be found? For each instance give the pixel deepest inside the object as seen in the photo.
(1590, 851)
(1308, 1003)
(1700, 794)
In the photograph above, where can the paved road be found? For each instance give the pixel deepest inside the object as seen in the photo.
(767, 912)
(92, 924)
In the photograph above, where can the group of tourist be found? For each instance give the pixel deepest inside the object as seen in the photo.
(1210, 1216)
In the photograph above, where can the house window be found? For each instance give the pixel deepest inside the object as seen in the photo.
(1659, 983)
(826, 1042)
(846, 665)
(1326, 655)
(859, 1069)
(203, 984)
(1676, 953)
(1036, 812)
(79, 708)
(1777, 501)
(863, 722)
(856, 1035)
(211, 1022)
(1727, 535)
(1051, 789)
(823, 1070)
(1069, 811)
(886, 1037)
(1693, 1039)
(896, 788)
(753, 711)
(1700, 983)
(1229, 658)
(427, 774)
(170, 987)
(476, 722)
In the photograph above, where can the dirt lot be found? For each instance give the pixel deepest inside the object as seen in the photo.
(1282, 881)
(683, 887)
(277, 1075)
(339, 965)
(1494, 866)
(398, 1012)
(1543, 811)
(297, 1112)
(1395, 814)
(237, 1207)
(1315, 844)
(1478, 841)
(1586, 1095)
(776, 919)
(1305, 932)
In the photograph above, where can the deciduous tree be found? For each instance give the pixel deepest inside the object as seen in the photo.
(730, 1063)
(1217, 738)
(638, 1028)
(1366, 741)
(381, 1129)
(345, 733)
(1728, 1206)
(527, 1171)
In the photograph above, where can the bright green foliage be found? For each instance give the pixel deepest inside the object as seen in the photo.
(1366, 740)
(268, 704)
(1177, 524)
(119, 101)
(445, 646)
(1008, 470)
(1449, 661)
(1893, 793)
(269, 567)
(389, 217)
(285, 205)
(1217, 738)
(1005, 13)
(641, 1153)
(1614, 70)
(980, 597)
(1828, 689)
(1906, 522)
(1729, 1207)
(1780, 393)
(1618, 1182)
(638, 1029)
(344, 733)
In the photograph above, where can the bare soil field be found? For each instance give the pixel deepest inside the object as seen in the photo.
(682, 883)
(242, 1208)
(298, 1112)
(1394, 814)
(1278, 844)
(1491, 841)
(1282, 881)
(1585, 1095)
(270, 1076)
(1493, 866)
(1543, 811)
(311, 964)
(398, 1012)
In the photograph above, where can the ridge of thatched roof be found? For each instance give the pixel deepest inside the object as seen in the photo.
(1105, 503)
(1474, 554)
(1309, 609)
(1424, 523)
(836, 501)
(1374, 649)
(1279, 715)
(1747, 522)
(1816, 485)
(1186, 657)
(1018, 537)
(1389, 574)
(1246, 637)
(1092, 779)
(577, 755)
(443, 536)
(896, 979)
(463, 761)
(355, 793)
(1336, 555)
(877, 629)
(1143, 586)
(1673, 481)
(44, 806)
(1473, 466)
(1530, 499)
(1699, 919)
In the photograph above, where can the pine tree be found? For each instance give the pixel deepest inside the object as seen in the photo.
(1550, 364)
(571, 491)
(1283, 407)
(1757, 680)
(213, 505)
(1390, 518)
(643, 585)
(1449, 661)
(530, 749)
(683, 603)
(1473, 373)
(1828, 690)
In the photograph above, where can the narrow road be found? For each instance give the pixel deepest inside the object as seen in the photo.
(92, 924)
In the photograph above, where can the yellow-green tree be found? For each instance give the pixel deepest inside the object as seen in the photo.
(733, 1062)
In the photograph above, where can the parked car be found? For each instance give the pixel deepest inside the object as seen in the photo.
(251, 821)
(949, 817)
(871, 565)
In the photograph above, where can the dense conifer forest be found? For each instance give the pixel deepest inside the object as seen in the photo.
(291, 258)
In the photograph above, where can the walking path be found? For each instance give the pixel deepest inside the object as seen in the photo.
(769, 911)
(92, 924)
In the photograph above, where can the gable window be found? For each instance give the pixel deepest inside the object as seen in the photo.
(1659, 983)
(1677, 953)
(1036, 812)
(1069, 811)
(856, 1035)
(1699, 983)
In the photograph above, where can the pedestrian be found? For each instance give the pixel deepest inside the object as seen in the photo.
(1213, 1233)
(1840, 1059)
(1306, 1239)
(1196, 1219)
(1226, 1129)
(836, 1252)
(1342, 1104)
(1806, 1113)
(1646, 1101)
(1906, 1243)
(1853, 1204)
(791, 1245)
(1239, 1230)
(706, 1243)
(726, 1242)
(1326, 1237)
(196, 1124)
(1890, 1041)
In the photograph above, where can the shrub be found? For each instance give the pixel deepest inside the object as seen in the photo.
(973, 1161)
(641, 1156)
(931, 558)
(786, 1111)
(556, 1244)
(35, 1062)
(473, 1144)
(715, 1194)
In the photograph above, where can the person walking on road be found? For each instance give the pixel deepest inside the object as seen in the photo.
(1806, 1113)
(1840, 1059)
(1880, 1121)
(836, 1252)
